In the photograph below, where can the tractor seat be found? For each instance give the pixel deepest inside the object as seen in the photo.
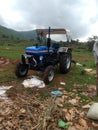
(55, 46)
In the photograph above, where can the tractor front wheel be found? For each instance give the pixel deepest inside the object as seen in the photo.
(21, 70)
(48, 75)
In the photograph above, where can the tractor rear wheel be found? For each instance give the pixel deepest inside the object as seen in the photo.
(65, 62)
(21, 70)
(48, 75)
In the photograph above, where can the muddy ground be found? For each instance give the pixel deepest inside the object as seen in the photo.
(36, 109)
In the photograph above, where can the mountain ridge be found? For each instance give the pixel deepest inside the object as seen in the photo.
(7, 33)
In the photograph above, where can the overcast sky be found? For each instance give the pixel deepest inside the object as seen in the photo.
(79, 16)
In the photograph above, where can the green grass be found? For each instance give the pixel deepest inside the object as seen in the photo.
(82, 52)
(84, 57)
(13, 52)
(76, 75)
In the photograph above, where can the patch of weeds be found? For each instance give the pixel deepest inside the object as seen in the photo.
(29, 91)
(69, 87)
(84, 65)
(51, 86)
(95, 98)
(83, 99)
(91, 79)
(67, 105)
(44, 95)
(83, 72)
(6, 78)
(91, 64)
(13, 91)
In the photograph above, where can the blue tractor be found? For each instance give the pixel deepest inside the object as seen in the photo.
(45, 58)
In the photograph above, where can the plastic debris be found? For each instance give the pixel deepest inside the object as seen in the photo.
(93, 112)
(56, 93)
(88, 70)
(62, 83)
(3, 89)
(78, 64)
(63, 124)
(33, 82)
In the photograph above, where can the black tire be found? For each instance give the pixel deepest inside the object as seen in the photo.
(65, 63)
(48, 75)
(21, 70)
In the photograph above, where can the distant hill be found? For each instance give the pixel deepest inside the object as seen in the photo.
(9, 34)
(27, 35)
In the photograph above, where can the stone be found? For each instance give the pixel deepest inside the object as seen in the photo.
(93, 112)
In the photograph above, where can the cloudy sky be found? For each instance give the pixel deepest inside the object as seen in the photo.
(79, 16)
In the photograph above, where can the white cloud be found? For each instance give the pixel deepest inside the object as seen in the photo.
(80, 16)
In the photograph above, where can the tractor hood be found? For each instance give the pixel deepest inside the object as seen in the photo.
(40, 50)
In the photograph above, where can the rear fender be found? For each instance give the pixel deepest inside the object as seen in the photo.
(64, 50)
